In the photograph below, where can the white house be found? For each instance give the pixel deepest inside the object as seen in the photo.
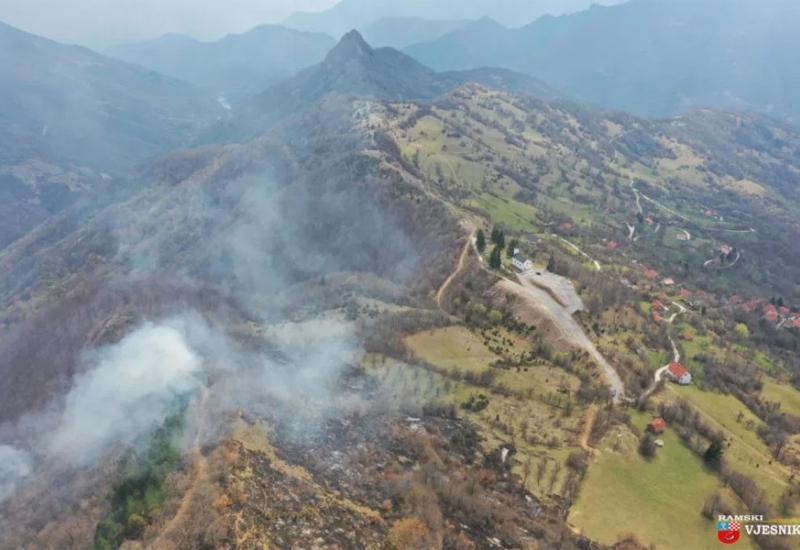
(521, 263)
(679, 374)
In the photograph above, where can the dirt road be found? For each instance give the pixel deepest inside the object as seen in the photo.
(579, 251)
(462, 261)
(676, 354)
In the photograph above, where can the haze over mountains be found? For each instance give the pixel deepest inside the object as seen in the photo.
(235, 66)
(68, 116)
(651, 57)
(355, 69)
(399, 32)
(349, 14)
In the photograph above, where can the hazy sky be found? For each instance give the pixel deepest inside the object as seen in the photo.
(101, 23)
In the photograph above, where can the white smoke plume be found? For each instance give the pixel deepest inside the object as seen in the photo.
(130, 391)
(15, 466)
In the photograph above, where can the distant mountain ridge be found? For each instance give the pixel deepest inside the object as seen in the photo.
(58, 100)
(354, 68)
(235, 66)
(400, 32)
(349, 14)
(70, 119)
(649, 57)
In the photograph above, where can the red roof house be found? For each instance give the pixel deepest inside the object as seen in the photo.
(657, 425)
(771, 313)
(752, 305)
(650, 273)
(679, 374)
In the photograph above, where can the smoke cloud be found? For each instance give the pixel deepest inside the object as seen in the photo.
(131, 391)
(15, 466)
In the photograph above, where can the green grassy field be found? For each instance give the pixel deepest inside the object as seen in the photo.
(508, 213)
(746, 452)
(452, 348)
(783, 393)
(659, 501)
(536, 408)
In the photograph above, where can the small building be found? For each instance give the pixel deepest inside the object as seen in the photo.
(657, 426)
(669, 281)
(679, 374)
(523, 264)
(650, 273)
(771, 313)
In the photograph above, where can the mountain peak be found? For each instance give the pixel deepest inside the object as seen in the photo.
(351, 46)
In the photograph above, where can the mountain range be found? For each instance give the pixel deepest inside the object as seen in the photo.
(72, 120)
(650, 57)
(349, 14)
(234, 67)
(355, 69)
(400, 32)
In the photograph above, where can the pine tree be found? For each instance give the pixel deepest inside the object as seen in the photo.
(551, 264)
(713, 455)
(495, 235)
(480, 241)
(501, 239)
(496, 258)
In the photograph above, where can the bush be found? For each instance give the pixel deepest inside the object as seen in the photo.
(409, 534)
(476, 403)
(647, 446)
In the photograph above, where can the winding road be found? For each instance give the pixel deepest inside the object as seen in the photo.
(462, 261)
(676, 354)
(579, 251)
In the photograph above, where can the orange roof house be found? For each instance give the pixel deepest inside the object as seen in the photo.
(650, 273)
(679, 374)
(771, 313)
(657, 425)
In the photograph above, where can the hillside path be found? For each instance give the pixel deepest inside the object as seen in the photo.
(459, 268)
(676, 354)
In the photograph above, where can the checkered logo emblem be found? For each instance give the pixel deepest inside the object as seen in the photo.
(728, 532)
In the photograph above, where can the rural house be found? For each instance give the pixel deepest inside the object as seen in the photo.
(679, 374)
(657, 426)
(521, 263)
